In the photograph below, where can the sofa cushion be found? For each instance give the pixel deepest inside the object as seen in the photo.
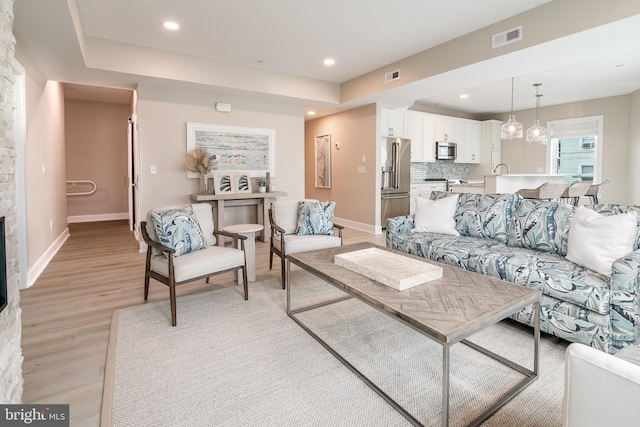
(541, 225)
(315, 218)
(547, 272)
(436, 216)
(596, 241)
(487, 216)
(199, 263)
(178, 229)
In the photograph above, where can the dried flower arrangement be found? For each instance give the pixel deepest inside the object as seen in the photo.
(199, 160)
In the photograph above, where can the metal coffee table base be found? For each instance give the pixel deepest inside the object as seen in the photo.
(529, 375)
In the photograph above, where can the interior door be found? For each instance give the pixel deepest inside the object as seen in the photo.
(133, 176)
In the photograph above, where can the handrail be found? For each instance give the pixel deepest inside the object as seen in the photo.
(75, 183)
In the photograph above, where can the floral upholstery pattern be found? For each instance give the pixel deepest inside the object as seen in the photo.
(578, 304)
(178, 229)
(482, 215)
(541, 225)
(315, 218)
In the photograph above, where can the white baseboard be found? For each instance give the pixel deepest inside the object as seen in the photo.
(375, 229)
(99, 217)
(36, 270)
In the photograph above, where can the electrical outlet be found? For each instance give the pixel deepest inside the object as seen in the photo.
(153, 169)
(226, 216)
(362, 169)
(51, 225)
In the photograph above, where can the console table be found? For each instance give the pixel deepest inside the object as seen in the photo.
(261, 201)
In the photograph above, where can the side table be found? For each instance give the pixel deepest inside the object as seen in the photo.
(248, 230)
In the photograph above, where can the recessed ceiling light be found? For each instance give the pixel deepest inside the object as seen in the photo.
(329, 61)
(169, 25)
(464, 96)
(311, 113)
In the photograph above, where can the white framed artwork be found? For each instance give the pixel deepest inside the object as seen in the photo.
(223, 183)
(234, 148)
(241, 183)
(323, 161)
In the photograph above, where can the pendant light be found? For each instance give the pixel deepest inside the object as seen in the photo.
(511, 129)
(537, 133)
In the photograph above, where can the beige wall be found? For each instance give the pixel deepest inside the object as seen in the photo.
(524, 158)
(163, 115)
(97, 150)
(353, 192)
(45, 192)
(633, 160)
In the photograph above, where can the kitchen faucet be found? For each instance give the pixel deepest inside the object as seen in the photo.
(501, 164)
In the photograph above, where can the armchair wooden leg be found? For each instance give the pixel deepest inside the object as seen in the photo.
(245, 282)
(172, 298)
(146, 285)
(270, 259)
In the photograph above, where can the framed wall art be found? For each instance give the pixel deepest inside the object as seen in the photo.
(241, 183)
(234, 148)
(223, 183)
(323, 161)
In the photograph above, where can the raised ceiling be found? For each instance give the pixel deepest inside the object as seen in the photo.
(291, 38)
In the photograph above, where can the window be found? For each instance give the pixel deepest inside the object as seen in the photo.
(575, 149)
(588, 142)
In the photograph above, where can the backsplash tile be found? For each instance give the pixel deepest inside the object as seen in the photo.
(446, 169)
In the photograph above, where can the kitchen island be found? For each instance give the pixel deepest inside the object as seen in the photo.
(510, 183)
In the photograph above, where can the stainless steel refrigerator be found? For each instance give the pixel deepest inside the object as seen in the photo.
(396, 178)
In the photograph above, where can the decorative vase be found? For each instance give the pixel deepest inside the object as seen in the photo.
(203, 183)
(262, 189)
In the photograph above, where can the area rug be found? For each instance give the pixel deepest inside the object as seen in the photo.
(231, 362)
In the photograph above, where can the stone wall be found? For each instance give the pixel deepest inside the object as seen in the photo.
(10, 327)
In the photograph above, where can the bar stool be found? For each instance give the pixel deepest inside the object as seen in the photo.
(574, 191)
(546, 191)
(593, 191)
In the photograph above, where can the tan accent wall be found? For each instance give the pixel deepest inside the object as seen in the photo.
(97, 150)
(353, 192)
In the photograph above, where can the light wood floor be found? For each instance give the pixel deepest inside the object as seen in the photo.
(66, 314)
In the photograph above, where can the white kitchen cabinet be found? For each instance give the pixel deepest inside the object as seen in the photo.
(392, 123)
(429, 138)
(468, 137)
(444, 127)
(413, 131)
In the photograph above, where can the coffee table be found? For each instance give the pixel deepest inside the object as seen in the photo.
(446, 310)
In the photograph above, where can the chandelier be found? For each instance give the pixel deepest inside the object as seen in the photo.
(511, 129)
(536, 133)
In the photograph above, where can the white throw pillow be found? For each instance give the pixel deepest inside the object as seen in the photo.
(436, 216)
(596, 241)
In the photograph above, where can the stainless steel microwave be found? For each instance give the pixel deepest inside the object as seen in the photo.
(446, 150)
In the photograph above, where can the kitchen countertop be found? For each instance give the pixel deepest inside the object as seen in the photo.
(468, 184)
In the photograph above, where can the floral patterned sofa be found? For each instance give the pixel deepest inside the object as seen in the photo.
(525, 242)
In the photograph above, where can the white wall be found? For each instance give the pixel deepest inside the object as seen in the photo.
(163, 115)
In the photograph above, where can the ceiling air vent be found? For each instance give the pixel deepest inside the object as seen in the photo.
(393, 75)
(506, 37)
